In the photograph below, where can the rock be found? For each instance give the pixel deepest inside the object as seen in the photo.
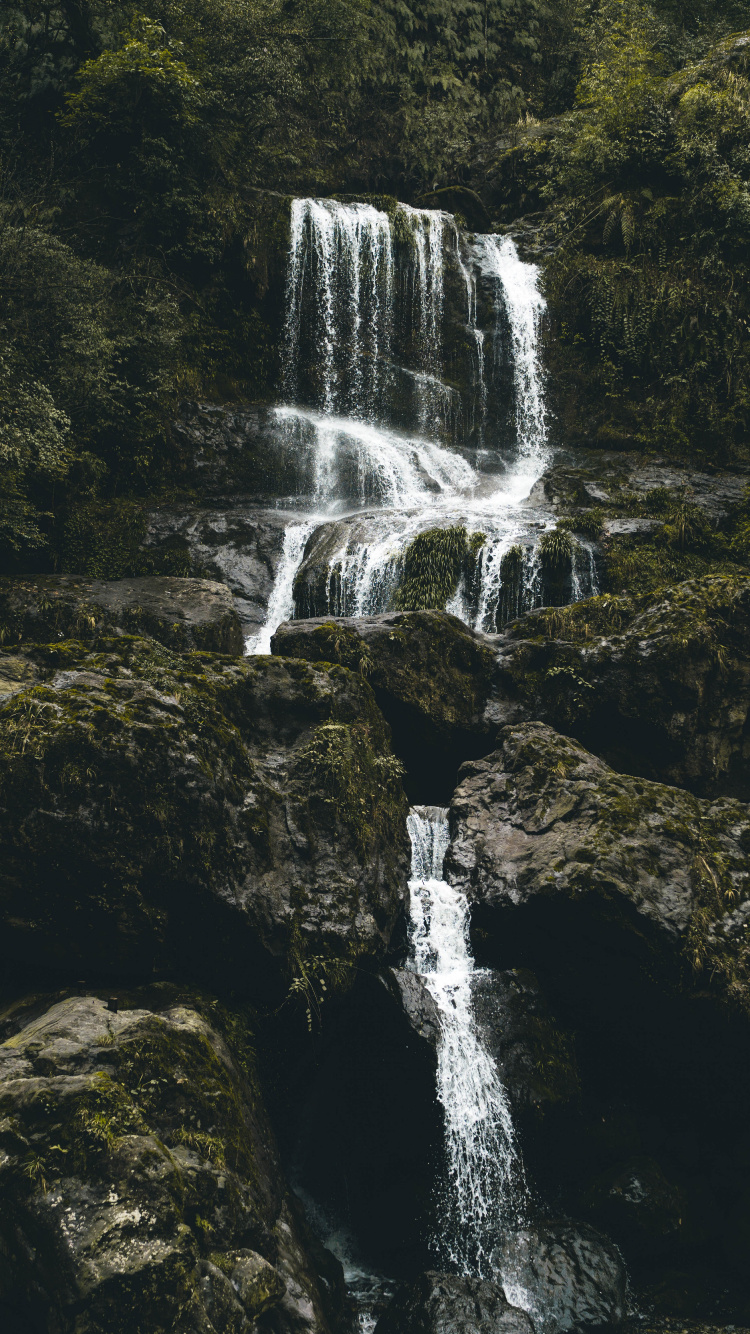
(568, 1277)
(659, 685)
(644, 1211)
(239, 546)
(181, 613)
(140, 1183)
(631, 527)
(196, 813)
(418, 1005)
(534, 1054)
(541, 829)
(448, 1304)
(617, 480)
(432, 677)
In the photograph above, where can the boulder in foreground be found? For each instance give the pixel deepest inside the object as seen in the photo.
(140, 1185)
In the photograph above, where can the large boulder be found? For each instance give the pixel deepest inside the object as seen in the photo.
(449, 1304)
(545, 833)
(568, 1277)
(657, 684)
(432, 677)
(630, 901)
(181, 613)
(195, 812)
(140, 1184)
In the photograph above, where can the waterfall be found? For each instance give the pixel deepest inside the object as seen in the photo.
(484, 1192)
(341, 257)
(524, 305)
(370, 296)
(281, 602)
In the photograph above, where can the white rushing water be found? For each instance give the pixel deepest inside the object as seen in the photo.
(281, 602)
(484, 1193)
(358, 280)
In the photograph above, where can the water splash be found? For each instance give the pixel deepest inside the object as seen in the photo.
(484, 1193)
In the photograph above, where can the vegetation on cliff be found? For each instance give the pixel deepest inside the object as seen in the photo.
(146, 150)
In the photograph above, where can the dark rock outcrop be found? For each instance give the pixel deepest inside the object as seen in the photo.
(181, 613)
(569, 1277)
(141, 1186)
(239, 546)
(432, 677)
(200, 812)
(447, 1304)
(541, 828)
(658, 685)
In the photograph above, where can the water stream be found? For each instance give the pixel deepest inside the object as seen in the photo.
(397, 418)
(483, 1195)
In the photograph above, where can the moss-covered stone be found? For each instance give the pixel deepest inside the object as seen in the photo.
(181, 613)
(657, 684)
(543, 823)
(165, 811)
(432, 676)
(136, 1152)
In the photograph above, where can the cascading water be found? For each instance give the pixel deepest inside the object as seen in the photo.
(484, 1194)
(371, 296)
(281, 602)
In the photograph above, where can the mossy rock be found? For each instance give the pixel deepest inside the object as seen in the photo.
(137, 1152)
(658, 684)
(187, 812)
(543, 827)
(432, 677)
(183, 614)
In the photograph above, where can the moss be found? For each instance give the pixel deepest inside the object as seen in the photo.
(351, 782)
(432, 567)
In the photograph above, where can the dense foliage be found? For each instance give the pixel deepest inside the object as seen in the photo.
(139, 142)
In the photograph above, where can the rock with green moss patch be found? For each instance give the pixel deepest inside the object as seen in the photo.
(543, 831)
(195, 813)
(140, 1184)
(183, 614)
(659, 685)
(432, 677)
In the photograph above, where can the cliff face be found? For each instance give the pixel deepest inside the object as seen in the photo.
(238, 824)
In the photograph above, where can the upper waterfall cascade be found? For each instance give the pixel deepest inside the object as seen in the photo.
(414, 400)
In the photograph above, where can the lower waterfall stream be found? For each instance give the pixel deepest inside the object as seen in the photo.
(484, 1192)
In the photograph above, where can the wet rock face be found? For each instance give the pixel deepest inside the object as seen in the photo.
(240, 547)
(197, 813)
(569, 1277)
(183, 614)
(432, 677)
(541, 827)
(447, 1304)
(660, 686)
(140, 1181)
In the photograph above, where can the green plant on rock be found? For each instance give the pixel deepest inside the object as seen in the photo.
(432, 567)
(357, 786)
(589, 523)
(314, 976)
(556, 549)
